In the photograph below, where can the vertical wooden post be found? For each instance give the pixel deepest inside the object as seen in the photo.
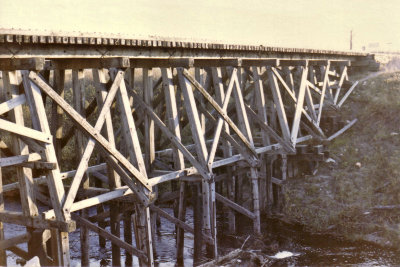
(281, 189)
(54, 182)
(3, 256)
(142, 214)
(148, 123)
(57, 112)
(24, 175)
(227, 149)
(113, 178)
(128, 233)
(269, 189)
(78, 90)
(245, 128)
(198, 136)
(197, 221)
(179, 162)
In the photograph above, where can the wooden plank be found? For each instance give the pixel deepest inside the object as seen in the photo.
(217, 62)
(172, 113)
(310, 103)
(19, 218)
(299, 106)
(343, 75)
(346, 63)
(93, 201)
(19, 252)
(114, 180)
(83, 164)
(260, 101)
(148, 96)
(218, 109)
(260, 62)
(323, 91)
(314, 125)
(57, 113)
(179, 223)
(39, 121)
(115, 240)
(16, 160)
(278, 103)
(247, 155)
(202, 153)
(10, 242)
(293, 62)
(347, 94)
(3, 255)
(78, 91)
(193, 116)
(24, 175)
(285, 144)
(40, 165)
(87, 63)
(179, 163)
(176, 141)
(12, 64)
(12, 103)
(161, 62)
(317, 62)
(25, 131)
(345, 128)
(315, 88)
(235, 206)
(221, 122)
(85, 126)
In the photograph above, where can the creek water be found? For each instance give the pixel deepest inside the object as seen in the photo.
(310, 249)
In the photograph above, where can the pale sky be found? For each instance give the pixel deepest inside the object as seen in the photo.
(309, 24)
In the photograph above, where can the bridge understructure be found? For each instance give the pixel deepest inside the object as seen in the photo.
(122, 136)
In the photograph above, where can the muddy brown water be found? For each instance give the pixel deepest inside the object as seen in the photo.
(311, 249)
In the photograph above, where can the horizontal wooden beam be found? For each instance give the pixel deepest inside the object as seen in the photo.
(229, 203)
(40, 165)
(87, 63)
(10, 242)
(180, 223)
(316, 62)
(25, 131)
(217, 62)
(340, 63)
(35, 222)
(16, 160)
(11, 64)
(161, 62)
(260, 62)
(114, 239)
(293, 62)
(12, 103)
(345, 128)
(93, 201)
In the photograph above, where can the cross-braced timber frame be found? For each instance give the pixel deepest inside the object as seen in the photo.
(212, 123)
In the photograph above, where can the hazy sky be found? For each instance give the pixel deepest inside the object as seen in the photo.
(318, 24)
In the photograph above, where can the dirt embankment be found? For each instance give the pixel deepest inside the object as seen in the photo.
(358, 195)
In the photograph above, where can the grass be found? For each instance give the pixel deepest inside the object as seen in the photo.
(341, 199)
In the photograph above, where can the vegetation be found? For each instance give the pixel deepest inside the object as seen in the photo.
(348, 196)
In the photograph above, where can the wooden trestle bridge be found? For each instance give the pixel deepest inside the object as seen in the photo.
(153, 121)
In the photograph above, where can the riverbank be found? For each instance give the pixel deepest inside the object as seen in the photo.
(357, 194)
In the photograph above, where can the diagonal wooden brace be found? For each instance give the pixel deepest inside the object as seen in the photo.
(88, 129)
(220, 111)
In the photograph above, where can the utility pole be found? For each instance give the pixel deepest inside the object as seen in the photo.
(351, 39)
